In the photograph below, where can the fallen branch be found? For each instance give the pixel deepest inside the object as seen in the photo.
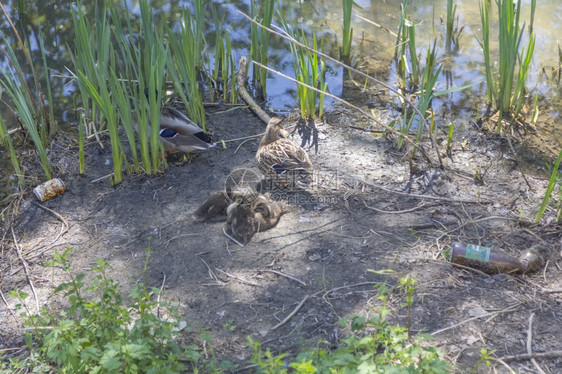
(284, 275)
(290, 314)
(527, 356)
(241, 78)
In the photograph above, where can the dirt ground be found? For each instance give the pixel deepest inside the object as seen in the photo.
(364, 213)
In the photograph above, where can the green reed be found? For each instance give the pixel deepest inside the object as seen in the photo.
(259, 47)
(6, 141)
(452, 34)
(186, 49)
(405, 55)
(224, 62)
(347, 31)
(23, 105)
(506, 84)
(309, 69)
(554, 179)
(25, 102)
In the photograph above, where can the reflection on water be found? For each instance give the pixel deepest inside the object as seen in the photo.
(372, 45)
(322, 17)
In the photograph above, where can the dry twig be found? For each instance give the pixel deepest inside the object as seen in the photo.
(284, 275)
(25, 269)
(241, 280)
(529, 341)
(290, 314)
(505, 310)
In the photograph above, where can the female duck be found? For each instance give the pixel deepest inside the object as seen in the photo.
(281, 159)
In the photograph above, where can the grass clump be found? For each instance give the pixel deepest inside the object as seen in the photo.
(506, 85)
(310, 70)
(101, 333)
(25, 101)
(373, 346)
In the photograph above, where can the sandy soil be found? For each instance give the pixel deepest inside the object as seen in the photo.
(366, 212)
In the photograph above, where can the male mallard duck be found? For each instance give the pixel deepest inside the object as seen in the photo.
(180, 134)
(281, 159)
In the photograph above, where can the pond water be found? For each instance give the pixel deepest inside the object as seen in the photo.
(372, 45)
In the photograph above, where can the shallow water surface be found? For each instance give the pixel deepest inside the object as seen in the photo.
(373, 46)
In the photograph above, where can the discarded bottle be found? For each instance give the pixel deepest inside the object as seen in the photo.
(494, 261)
(49, 189)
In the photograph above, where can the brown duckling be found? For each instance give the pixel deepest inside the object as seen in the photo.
(241, 222)
(267, 213)
(213, 209)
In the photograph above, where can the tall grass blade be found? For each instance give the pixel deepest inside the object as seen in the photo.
(7, 142)
(552, 182)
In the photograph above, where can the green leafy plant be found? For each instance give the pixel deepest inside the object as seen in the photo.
(373, 346)
(101, 333)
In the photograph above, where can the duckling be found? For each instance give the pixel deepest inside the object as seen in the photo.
(213, 209)
(267, 213)
(280, 159)
(241, 222)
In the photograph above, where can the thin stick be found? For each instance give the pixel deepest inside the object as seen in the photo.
(231, 238)
(394, 211)
(376, 24)
(158, 297)
(211, 273)
(177, 237)
(101, 178)
(508, 309)
(25, 269)
(240, 145)
(345, 102)
(290, 314)
(284, 275)
(65, 224)
(241, 280)
(8, 306)
(526, 356)
(529, 341)
(344, 287)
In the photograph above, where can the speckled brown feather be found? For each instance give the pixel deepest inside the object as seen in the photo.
(276, 150)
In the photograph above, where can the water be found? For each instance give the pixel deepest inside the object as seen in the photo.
(372, 46)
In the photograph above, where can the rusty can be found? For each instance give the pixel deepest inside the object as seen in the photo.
(49, 189)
